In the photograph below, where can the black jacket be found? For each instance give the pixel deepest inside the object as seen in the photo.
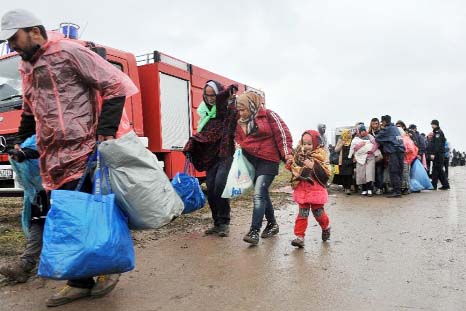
(438, 142)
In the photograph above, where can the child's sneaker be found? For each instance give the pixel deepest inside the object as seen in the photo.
(252, 237)
(298, 242)
(270, 230)
(326, 234)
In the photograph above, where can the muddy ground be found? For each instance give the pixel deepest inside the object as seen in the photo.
(384, 254)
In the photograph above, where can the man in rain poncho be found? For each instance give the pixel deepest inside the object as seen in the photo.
(62, 84)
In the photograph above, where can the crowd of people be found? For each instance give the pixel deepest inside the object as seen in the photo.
(378, 158)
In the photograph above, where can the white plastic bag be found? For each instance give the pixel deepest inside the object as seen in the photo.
(142, 189)
(240, 176)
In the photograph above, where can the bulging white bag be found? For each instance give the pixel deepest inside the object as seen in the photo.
(142, 189)
(240, 176)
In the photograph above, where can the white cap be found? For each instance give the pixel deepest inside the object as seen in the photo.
(14, 20)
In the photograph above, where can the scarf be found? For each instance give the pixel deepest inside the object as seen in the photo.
(205, 114)
(346, 137)
(321, 171)
(251, 102)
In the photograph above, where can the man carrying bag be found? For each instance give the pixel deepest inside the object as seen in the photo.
(62, 82)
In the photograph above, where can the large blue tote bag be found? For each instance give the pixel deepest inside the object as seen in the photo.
(85, 235)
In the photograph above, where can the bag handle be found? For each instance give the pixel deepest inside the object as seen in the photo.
(92, 158)
(188, 166)
(99, 171)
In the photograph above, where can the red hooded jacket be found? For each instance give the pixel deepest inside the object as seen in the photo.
(271, 140)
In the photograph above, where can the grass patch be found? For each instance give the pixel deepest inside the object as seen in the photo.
(11, 242)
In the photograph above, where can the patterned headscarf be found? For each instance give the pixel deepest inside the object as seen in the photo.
(251, 102)
(318, 154)
(346, 137)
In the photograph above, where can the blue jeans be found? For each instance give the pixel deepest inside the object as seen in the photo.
(262, 203)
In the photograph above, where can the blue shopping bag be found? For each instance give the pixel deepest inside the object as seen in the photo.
(85, 235)
(188, 188)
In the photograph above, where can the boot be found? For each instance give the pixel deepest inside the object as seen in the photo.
(252, 237)
(326, 234)
(212, 230)
(223, 230)
(66, 295)
(104, 285)
(270, 230)
(298, 242)
(18, 271)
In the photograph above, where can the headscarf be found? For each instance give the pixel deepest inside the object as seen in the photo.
(205, 111)
(321, 171)
(346, 137)
(251, 102)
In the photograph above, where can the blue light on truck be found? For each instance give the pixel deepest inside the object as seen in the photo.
(70, 30)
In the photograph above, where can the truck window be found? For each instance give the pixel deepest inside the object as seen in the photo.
(10, 80)
(117, 65)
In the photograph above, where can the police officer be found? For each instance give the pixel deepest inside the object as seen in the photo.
(438, 156)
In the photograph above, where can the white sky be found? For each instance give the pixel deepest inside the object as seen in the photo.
(334, 62)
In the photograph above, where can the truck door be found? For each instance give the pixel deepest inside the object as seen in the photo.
(174, 111)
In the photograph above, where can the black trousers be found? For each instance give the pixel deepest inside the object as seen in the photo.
(438, 173)
(446, 164)
(395, 168)
(216, 179)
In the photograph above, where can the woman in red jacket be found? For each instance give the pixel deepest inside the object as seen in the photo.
(265, 141)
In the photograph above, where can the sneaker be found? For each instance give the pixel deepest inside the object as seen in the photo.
(67, 295)
(104, 285)
(444, 188)
(252, 237)
(348, 191)
(212, 230)
(326, 234)
(270, 230)
(369, 193)
(364, 193)
(298, 242)
(223, 230)
(16, 272)
(378, 191)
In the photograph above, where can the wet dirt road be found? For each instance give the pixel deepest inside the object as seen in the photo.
(384, 254)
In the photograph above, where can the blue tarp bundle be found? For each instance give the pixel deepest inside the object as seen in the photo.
(418, 177)
(28, 176)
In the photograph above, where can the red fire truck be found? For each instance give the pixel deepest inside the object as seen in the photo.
(163, 114)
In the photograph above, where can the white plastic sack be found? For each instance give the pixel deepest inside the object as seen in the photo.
(240, 176)
(142, 189)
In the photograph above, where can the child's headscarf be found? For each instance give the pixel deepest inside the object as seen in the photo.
(251, 102)
(319, 154)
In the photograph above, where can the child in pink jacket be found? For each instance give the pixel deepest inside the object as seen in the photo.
(310, 173)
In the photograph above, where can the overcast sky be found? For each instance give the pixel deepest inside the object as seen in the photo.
(334, 62)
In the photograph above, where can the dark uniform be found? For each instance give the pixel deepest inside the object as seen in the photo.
(438, 154)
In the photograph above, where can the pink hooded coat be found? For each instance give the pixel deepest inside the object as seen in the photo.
(61, 88)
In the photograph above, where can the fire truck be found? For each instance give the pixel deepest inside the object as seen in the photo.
(163, 114)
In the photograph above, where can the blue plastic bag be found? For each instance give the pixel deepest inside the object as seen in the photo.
(85, 235)
(240, 176)
(419, 180)
(188, 188)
